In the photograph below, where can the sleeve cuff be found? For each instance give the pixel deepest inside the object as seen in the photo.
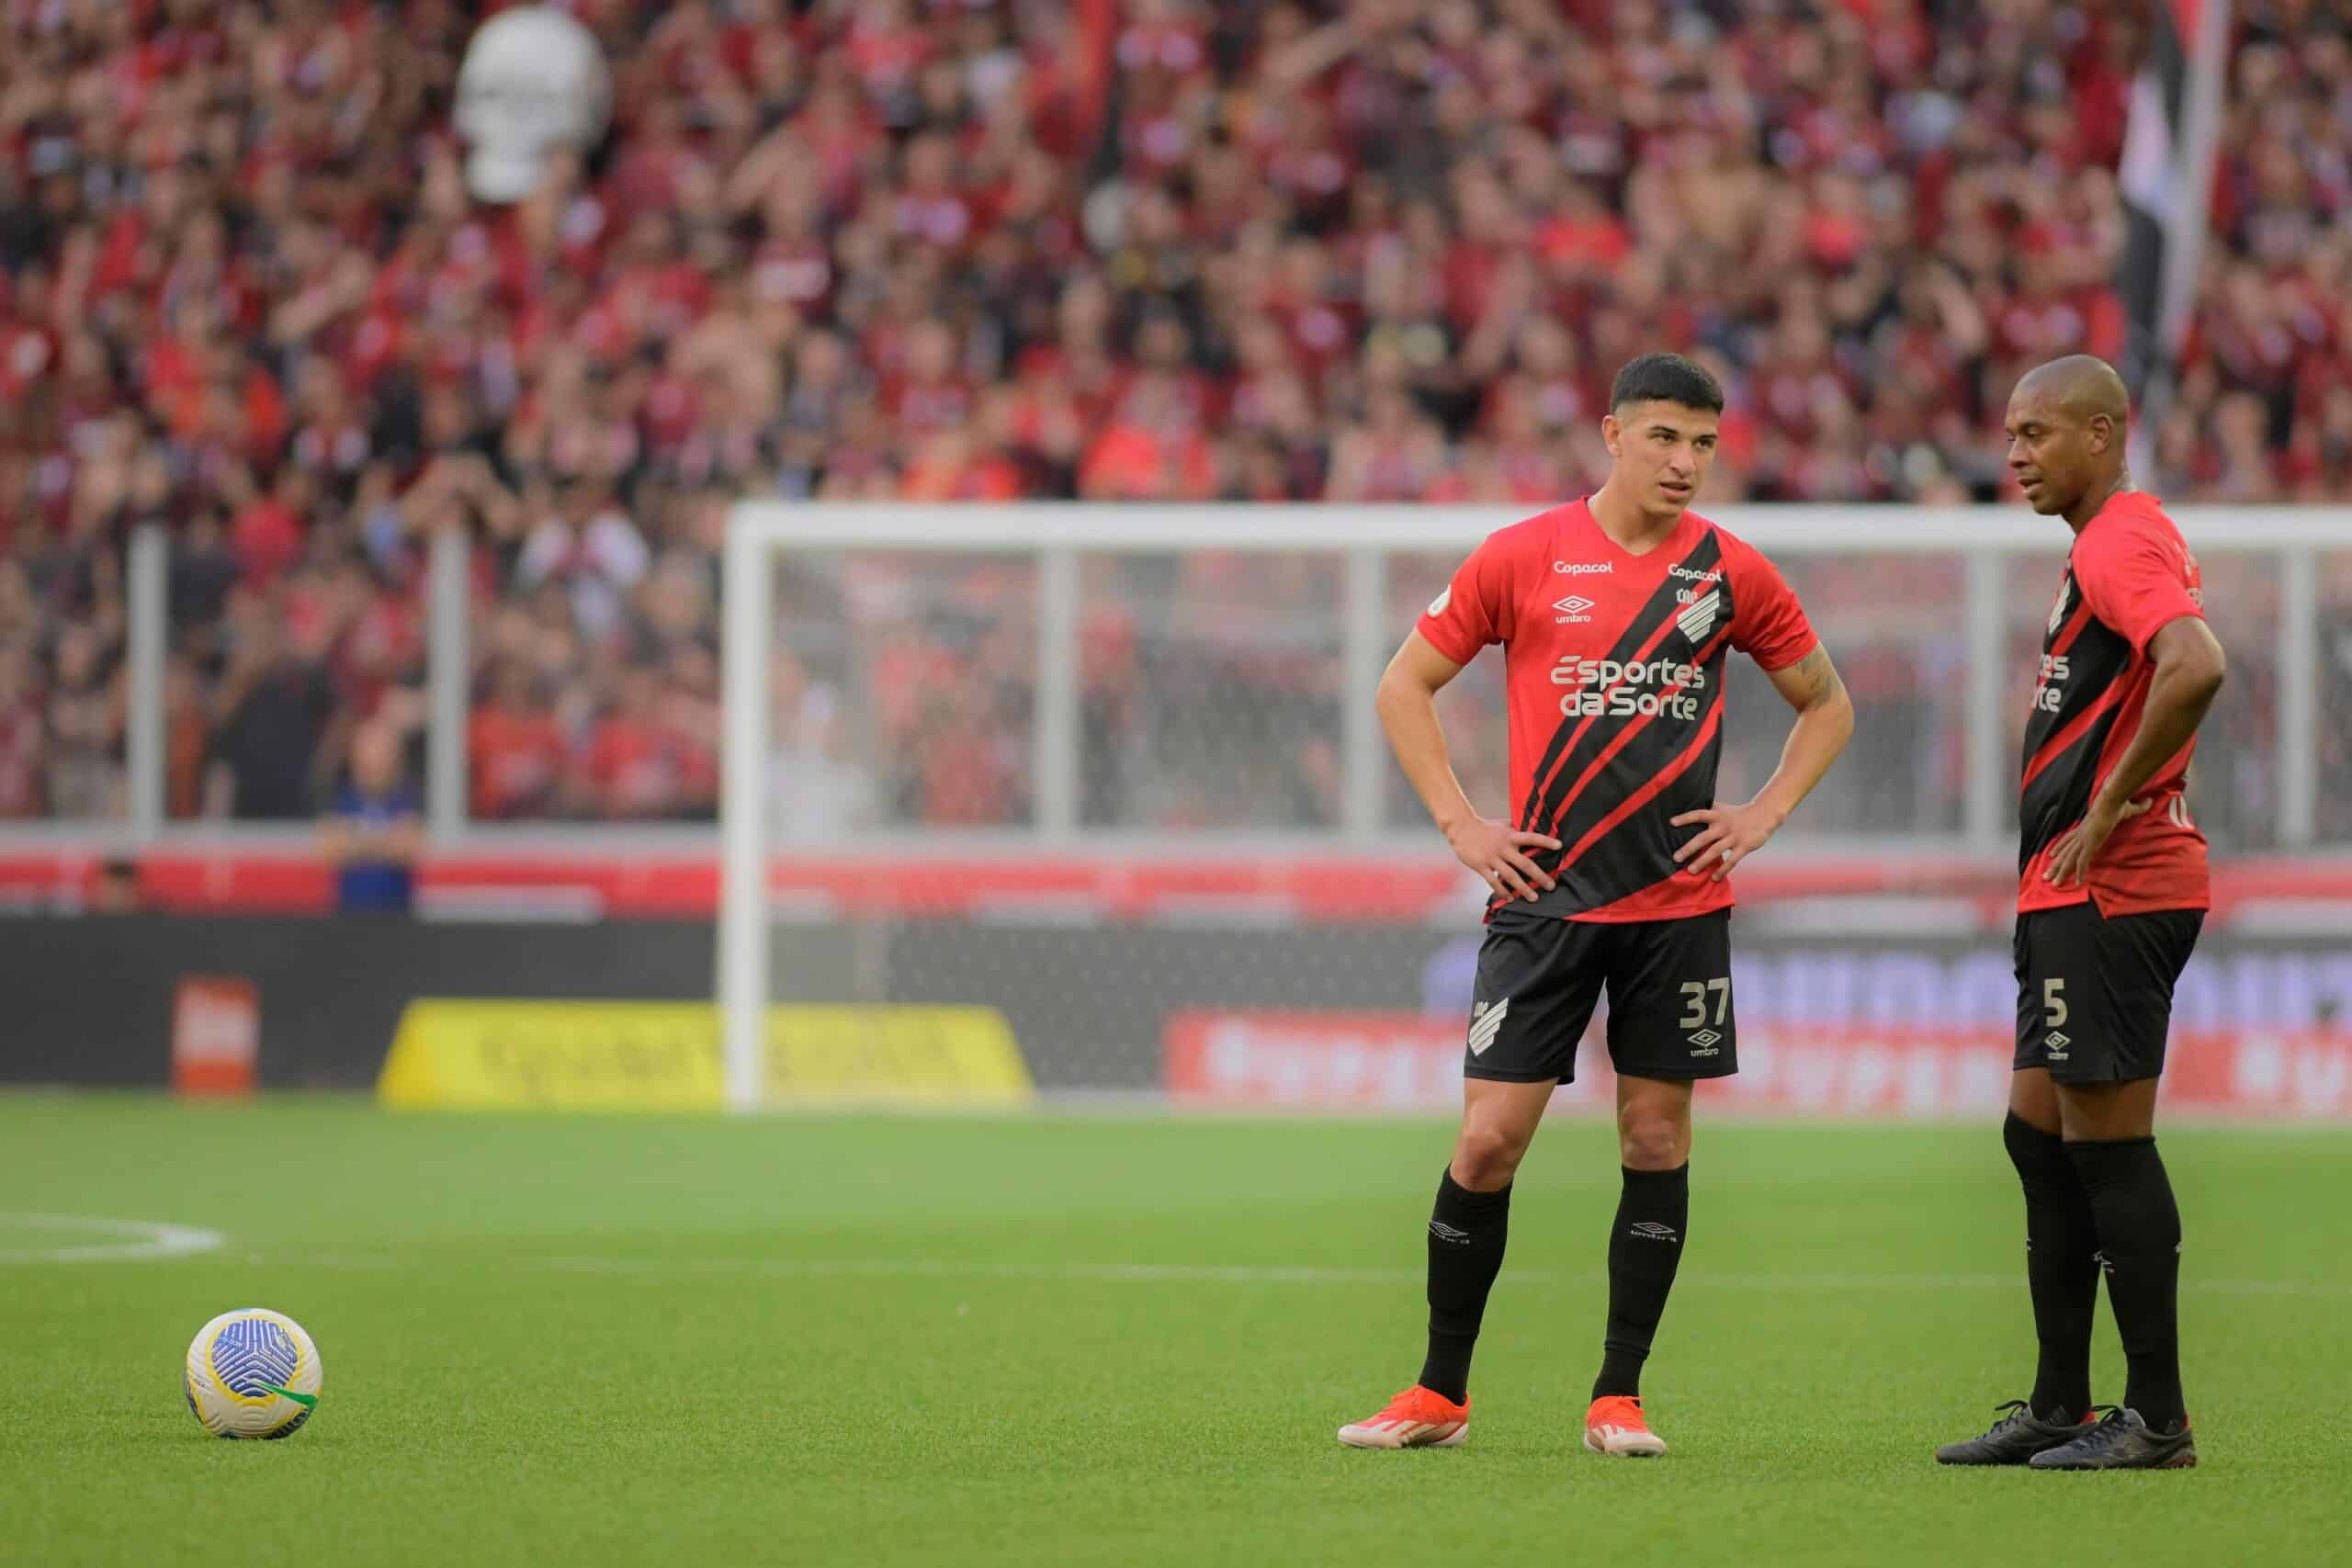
(2148, 635)
(1776, 666)
(1443, 641)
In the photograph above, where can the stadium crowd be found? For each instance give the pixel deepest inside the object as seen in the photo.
(1361, 250)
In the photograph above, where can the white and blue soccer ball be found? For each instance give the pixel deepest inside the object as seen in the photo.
(253, 1373)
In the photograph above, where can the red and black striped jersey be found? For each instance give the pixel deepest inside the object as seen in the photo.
(1614, 676)
(2129, 574)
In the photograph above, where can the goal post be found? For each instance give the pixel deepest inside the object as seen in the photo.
(1174, 707)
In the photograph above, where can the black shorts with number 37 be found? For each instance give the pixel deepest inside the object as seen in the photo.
(1670, 997)
(2094, 993)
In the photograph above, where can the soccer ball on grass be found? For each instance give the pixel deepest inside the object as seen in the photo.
(253, 1373)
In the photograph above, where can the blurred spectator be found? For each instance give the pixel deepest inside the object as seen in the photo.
(85, 729)
(375, 830)
(271, 716)
(646, 758)
(515, 749)
(23, 751)
(818, 794)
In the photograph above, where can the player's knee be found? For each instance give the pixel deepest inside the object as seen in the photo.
(1651, 1140)
(1486, 1156)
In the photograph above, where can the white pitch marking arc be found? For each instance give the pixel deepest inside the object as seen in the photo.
(141, 1239)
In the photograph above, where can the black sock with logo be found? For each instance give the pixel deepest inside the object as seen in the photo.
(1467, 1231)
(1644, 1249)
(2061, 1268)
(2138, 1239)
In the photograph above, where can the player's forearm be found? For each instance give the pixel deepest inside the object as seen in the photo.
(1814, 741)
(2178, 699)
(1408, 715)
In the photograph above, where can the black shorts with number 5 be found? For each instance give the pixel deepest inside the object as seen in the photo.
(1670, 997)
(2094, 993)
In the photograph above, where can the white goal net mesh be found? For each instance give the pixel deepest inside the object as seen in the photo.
(1115, 779)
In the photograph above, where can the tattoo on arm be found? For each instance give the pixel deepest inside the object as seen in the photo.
(1816, 680)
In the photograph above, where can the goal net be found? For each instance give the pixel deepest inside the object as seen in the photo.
(1075, 800)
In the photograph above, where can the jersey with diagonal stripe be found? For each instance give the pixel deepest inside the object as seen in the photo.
(2128, 575)
(1613, 668)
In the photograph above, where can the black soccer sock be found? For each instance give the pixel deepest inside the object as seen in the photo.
(2061, 1268)
(2138, 1239)
(1644, 1249)
(1467, 1231)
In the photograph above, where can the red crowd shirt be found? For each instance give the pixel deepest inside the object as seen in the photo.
(2130, 574)
(1615, 666)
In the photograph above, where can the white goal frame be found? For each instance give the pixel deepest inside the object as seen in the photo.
(1057, 534)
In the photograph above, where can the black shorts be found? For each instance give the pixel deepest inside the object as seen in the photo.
(1670, 997)
(2095, 994)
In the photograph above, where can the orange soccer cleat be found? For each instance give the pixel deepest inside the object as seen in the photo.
(1416, 1418)
(1615, 1425)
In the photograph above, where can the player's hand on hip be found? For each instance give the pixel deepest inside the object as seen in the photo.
(1498, 853)
(1729, 835)
(2071, 852)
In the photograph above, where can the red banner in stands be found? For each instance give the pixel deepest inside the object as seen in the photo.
(1395, 1061)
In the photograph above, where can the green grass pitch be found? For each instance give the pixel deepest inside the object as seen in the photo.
(1061, 1339)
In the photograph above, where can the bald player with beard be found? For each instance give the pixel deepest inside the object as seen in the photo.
(2111, 890)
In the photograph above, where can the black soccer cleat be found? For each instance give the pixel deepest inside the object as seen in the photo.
(2123, 1441)
(2014, 1439)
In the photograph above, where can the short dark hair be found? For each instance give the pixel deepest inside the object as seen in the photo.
(1667, 379)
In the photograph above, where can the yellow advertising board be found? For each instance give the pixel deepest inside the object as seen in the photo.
(569, 1056)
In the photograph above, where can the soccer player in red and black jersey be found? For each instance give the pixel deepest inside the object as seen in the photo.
(2111, 891)
(1617, 615)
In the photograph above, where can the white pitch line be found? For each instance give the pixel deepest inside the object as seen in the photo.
(148, 1239)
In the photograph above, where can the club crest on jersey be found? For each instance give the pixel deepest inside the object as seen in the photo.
(1697, 618)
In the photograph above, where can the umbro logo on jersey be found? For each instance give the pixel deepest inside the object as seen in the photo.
(1699, 619)
(1487, 1022)
(1572, 610)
